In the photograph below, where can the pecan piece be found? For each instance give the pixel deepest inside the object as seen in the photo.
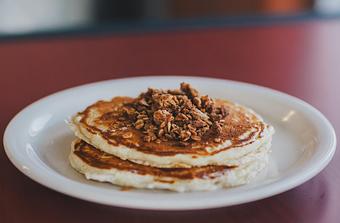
(127, 135)
(196, 138)
(188, 90)
(185, 135)
(161, 116)
(139, 124)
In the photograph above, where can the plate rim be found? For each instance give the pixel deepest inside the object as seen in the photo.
(273, 189)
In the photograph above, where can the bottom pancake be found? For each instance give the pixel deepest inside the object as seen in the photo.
(100, 166)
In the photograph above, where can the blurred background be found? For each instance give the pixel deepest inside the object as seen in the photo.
(20, 17)
(288, 45)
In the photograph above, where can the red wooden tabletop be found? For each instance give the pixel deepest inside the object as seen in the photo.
(302, 59)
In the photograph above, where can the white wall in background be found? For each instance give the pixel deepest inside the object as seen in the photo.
(327, 6)
(19, 16)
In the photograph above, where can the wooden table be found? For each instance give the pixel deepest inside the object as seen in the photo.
(302, 59)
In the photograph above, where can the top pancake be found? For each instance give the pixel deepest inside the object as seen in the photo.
(243, 132)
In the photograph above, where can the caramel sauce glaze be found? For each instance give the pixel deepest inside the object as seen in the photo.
(236, 124)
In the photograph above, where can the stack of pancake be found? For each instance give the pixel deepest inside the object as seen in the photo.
(192, 143)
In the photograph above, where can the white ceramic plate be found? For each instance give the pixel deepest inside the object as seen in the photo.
(37, 141)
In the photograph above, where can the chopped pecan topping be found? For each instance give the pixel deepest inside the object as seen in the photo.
(181, 114)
